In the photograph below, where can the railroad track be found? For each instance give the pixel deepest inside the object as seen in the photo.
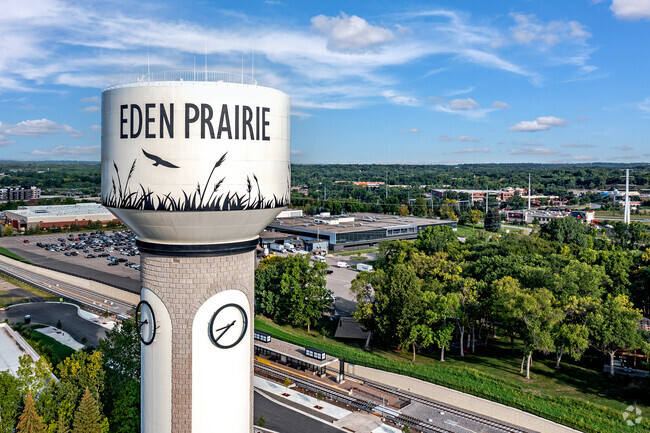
(442, 407)
(374, 407)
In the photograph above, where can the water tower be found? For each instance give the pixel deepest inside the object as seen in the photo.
(196, 165)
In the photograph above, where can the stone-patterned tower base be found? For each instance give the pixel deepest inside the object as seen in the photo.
(188, 383)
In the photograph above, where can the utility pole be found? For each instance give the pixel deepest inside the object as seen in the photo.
(528, 191)
(626, 210)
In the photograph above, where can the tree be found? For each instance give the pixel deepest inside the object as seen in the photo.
(448, 210)
(261, 421)
(33, 377)
(30, 422)
(613, 324)
(8, 231)
(492, 221)
(533, 314)
(88, 418)
(474, 217)
(9, 401)
(79, 372)
(121, 359)
(434, 239)
(567, 230)
(125, 416)
(420, 207)
(290, 289)
(516, 202)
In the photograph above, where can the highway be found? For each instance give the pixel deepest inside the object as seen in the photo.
(84, 297)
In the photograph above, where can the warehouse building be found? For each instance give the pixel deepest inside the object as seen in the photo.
(45, 217)
(545, 216)
(353, 231)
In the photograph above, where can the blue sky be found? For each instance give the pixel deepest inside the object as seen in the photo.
(371, 82)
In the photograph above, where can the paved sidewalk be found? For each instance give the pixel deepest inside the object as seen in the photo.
(61, 336)
(299, 398)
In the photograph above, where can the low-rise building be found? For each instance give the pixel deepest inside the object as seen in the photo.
(45, 217)
(355, 231)
(545, 216)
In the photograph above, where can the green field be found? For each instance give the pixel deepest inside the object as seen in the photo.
(6, 300)
(573, 395)
(6, 252)
(54, 351)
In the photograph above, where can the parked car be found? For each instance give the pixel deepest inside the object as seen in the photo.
(112, 263)
(342, 265)
(90, 256)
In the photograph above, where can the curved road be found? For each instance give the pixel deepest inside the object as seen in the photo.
(49, 313)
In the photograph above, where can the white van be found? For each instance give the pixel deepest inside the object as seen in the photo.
(342, 265)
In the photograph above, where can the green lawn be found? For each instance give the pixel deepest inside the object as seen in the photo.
(54, 351)
(10, 300)
(6, 252)
(575, 396)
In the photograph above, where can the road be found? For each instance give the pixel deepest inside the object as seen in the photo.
(49, 313)
(85, 297)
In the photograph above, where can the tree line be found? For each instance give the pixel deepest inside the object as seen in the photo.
(560, 291)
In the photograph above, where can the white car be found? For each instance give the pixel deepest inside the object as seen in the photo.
(342, 265)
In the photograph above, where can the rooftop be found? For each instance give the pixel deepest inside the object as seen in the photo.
(12, 347)
(195, 75)
(62, 210)
(295, 352)
(359, 222)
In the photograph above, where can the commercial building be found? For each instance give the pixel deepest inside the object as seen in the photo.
(44, 217)
(15, 193)
(12, 347)
(354, 231)
(544, 216)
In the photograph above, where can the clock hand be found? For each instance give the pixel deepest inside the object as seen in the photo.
(144, 322)
(225, 329)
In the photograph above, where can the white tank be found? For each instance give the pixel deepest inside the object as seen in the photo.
(195, 162)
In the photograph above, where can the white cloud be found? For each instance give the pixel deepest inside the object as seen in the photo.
(94, 99)
(533, 151)
(410, 131)
(577, 145)
(296, 152)
(583, 158)
(445, 138)
(473, 150)
(4, 141)
(463, 104)
(645, 105)
(625, 148)
(631, 9)
(398, 99)
(347, 33)
(528, 30)
(90, 109)
(540, 124)
(68, 151)
(38, 128)
(96, 128)
(470, 89)
(502, 105)
(467, 139)
(434, 72)
(531, 144)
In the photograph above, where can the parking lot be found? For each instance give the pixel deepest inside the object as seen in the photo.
(101, 256)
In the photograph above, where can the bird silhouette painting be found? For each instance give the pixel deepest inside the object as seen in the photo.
(158, 160)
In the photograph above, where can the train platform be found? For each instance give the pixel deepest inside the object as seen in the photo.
(328, 379)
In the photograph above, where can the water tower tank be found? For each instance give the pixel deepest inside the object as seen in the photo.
(191, 162)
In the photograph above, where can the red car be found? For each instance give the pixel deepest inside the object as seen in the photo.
(26, 241)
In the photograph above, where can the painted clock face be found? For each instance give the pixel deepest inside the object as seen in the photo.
(146, 322)
(228, 326)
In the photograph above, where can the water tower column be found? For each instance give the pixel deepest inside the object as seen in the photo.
(211, 374)
(197, 170)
